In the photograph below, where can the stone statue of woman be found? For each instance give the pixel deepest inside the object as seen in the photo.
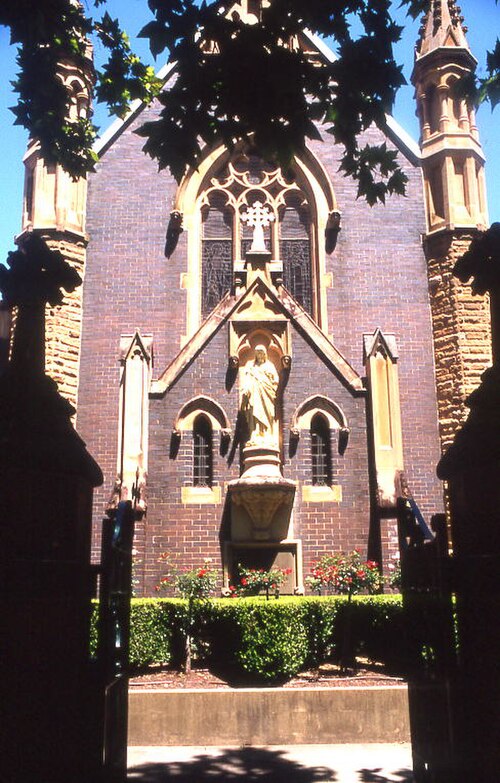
(258, 399)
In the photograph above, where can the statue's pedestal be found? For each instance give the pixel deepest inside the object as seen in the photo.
(261, 461)
(261, 500)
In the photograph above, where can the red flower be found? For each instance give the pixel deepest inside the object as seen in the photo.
(243, 581)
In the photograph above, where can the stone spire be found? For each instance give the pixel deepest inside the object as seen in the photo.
(455, 197)
(441, 26)
(452, 158)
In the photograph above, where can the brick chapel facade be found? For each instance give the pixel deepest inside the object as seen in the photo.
(374, 346)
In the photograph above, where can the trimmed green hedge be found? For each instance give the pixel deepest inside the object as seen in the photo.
(269, 640)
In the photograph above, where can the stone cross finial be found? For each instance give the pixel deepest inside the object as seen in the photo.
(258, 217)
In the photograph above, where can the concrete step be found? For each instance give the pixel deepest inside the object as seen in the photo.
(268, 716)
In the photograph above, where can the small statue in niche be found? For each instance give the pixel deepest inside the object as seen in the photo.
(258, 400)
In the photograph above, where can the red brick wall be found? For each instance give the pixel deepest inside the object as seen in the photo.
(379, 280)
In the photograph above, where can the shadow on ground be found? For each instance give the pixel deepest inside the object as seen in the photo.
(379, 776)
(248, 764)
(252, 764)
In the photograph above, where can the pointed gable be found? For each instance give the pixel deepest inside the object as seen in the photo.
(260, 302)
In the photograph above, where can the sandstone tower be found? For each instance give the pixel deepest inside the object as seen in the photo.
(54, 207)
(453, 170)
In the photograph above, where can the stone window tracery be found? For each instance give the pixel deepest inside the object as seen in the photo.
(226, 239)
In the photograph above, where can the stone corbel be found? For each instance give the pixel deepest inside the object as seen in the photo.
(174, 230)
(115, 498)
(225, 437)
(175, 442)
(139, 494)
(343, 439)
(276, 269)
(332, 231)
(286, 361)
(240, 275)
(293, 441)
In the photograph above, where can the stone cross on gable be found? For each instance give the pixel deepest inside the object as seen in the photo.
(258, 217)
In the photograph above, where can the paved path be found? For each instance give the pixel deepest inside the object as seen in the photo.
(375, 763)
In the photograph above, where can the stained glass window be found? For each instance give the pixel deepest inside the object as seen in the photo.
(295, 250)
(217, 253)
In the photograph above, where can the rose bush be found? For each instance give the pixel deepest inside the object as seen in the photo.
(253, 581)
(345, 574)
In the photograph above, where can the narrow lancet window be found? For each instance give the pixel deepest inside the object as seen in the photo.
(202, 452)
(320, 451)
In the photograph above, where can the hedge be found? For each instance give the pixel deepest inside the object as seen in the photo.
(269, 640)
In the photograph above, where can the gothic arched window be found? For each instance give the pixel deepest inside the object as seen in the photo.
(295, 249)
(217, 251)
(202, 452)
(226, 238)
(321, 458)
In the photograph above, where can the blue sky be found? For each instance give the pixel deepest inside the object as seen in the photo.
(481, 16)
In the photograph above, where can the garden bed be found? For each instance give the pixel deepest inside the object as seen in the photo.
(328, 675)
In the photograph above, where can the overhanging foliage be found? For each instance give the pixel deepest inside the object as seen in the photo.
(241, 84)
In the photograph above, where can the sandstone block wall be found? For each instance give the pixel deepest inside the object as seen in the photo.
(461, 328)
(63, 325)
